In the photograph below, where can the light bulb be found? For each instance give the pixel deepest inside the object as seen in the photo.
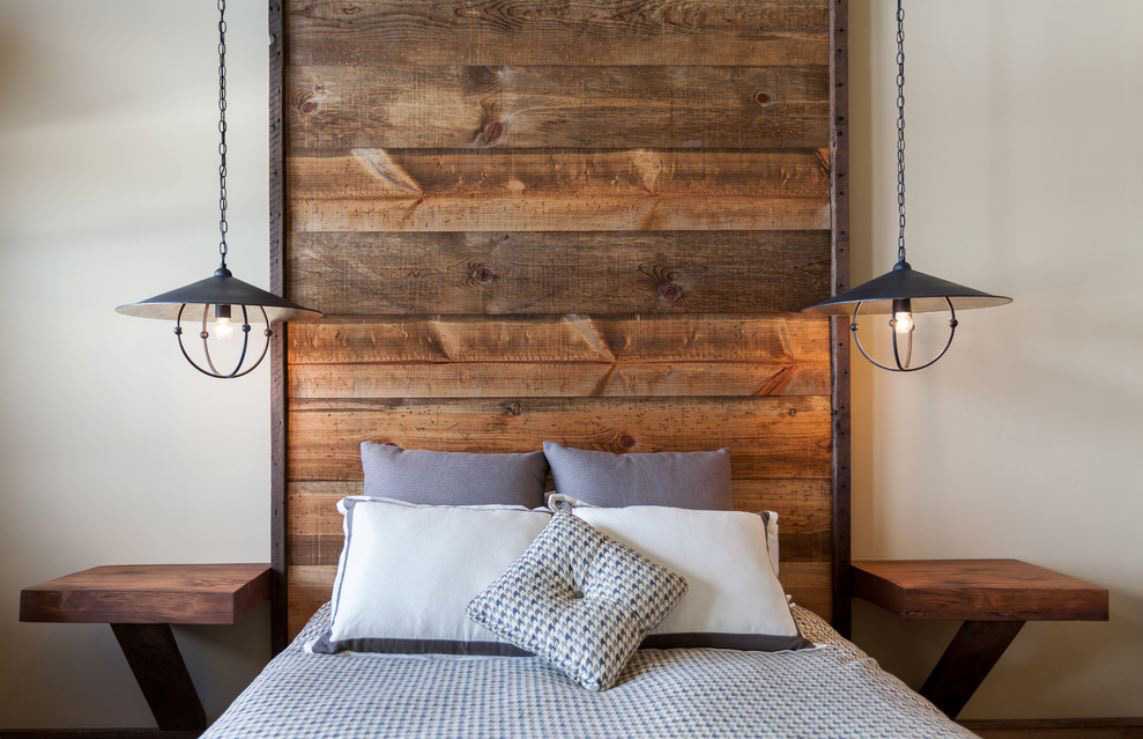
(223, 328)
(903, 322)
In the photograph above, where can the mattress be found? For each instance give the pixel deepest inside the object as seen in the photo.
(831, 690)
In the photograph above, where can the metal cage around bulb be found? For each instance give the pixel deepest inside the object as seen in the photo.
(227, 297)
(905, 290)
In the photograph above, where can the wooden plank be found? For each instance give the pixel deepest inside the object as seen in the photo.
(280, 340)
(145, 594)
(309, 587)
(573, 338)
(556, 380)
(808, 583)
(558, 190)
(978, 590)
(802, 505)
(409, 273)
(341, 107)
(1057, 728)
(842, 616)
(767, 437)
(432, 32)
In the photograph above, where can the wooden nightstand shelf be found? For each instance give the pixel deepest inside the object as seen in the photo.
(994, 597)
(140, 602)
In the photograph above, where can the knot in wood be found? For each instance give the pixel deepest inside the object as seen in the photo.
(626, 441)
(761, 98)
(670, 292)
(481, 274)
(514, 408)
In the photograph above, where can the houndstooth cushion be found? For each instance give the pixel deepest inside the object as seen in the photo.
(579, 600)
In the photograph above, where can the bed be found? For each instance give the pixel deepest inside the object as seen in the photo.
(831, 690)
(592, 223)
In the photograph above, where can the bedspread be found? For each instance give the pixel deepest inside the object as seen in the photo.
(832, 690)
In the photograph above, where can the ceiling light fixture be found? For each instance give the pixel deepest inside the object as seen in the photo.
(223, 298)
(903, 291)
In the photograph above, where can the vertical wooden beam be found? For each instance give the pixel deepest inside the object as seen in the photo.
(278, 416)
(839, 333)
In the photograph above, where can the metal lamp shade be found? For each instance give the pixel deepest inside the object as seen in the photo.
(927, 294)
(220, 289)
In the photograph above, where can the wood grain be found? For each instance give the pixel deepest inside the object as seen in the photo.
(143, 594)
(566, 380)
(978, 590)
(587, 221)
(643, 32)
(544, 273)
(768, 437)
(340, 107)
(558, 190)
(572, 338)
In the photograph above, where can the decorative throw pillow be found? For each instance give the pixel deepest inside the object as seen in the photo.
(735, 600)
(579, 600)
(453, 478)
(677, 479)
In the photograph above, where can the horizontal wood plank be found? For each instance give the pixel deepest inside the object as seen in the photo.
(410, 273)
(149, 594)
(978, 590)
(558, 380)
(559, 190)
(768, 437)
(571, 338)
(432, 32)
(334, 108)
(803, 505)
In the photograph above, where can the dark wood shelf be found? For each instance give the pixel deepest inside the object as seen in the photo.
(140, 602)
(978, 589)
(994, 598)
(149, 594)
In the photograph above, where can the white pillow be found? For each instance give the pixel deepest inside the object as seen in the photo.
(733, 598)
(407, 572)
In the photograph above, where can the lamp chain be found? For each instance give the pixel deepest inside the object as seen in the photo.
(900, 133)
(223, 226)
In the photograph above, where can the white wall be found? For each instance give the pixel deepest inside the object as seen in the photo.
(1025, 177)
(111, 448)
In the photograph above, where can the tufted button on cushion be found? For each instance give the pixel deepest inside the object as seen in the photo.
(580, 600)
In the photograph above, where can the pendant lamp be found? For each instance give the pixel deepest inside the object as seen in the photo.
(219, 302)
(903, 291)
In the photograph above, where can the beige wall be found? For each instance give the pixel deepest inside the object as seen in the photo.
(1025, 178)
(111, 448)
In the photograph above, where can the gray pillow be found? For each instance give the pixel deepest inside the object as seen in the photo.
(579, 600)
(699, 480)
(453, 478)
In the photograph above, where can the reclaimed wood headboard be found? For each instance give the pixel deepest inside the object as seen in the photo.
(589, 221)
